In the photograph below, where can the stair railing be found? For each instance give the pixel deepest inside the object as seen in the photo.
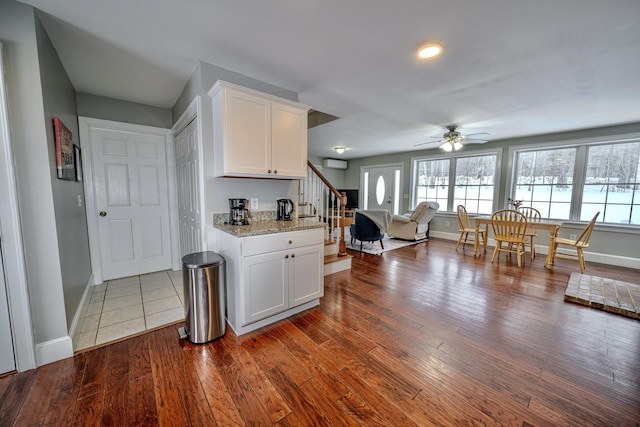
(321, 200)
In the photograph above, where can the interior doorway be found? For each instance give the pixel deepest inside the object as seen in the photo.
(17, 350)
(381, 187)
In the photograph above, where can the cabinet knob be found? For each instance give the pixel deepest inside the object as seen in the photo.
(293, 255)
(269, 171)
(286, 256)
(275, 171)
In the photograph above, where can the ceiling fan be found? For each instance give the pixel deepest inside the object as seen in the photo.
(452, 140)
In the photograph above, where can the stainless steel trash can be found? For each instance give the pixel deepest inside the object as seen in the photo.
(204, 281)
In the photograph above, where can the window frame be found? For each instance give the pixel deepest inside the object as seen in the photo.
(582, 146)
(453, 158)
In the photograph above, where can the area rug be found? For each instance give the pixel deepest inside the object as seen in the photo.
(605, 294)
(374, 248)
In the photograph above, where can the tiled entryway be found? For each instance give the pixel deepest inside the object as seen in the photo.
(123, 307)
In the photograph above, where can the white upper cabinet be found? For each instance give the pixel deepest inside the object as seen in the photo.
(258, 135)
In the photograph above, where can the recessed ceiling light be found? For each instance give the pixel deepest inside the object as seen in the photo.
(429, 50)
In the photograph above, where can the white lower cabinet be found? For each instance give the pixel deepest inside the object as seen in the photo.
(271, 277)
(266, 285)
(275, 282)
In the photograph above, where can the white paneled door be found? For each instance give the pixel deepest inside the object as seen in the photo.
(7, 358)
(188, 174)
(130, 173)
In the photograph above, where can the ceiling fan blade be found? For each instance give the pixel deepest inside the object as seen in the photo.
(427, 143)
(474, 141)
(477, 133)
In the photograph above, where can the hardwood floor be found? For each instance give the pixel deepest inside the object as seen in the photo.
(417, 336)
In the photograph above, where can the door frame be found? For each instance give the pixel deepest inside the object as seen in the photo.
(400, 184)
(86, 124)
(13, 250)
(193, 112)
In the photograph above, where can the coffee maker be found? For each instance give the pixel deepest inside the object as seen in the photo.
(284, 209)
(238, 212)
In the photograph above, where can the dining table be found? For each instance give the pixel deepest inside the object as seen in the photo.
(553, 227)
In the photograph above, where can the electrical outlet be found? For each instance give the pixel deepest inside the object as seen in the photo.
(254, 203)
(573, 236)
(447, 223)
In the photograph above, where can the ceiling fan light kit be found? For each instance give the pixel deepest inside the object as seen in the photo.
(450, 146)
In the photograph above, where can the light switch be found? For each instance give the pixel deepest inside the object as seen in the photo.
(79, 200)
(254, 203)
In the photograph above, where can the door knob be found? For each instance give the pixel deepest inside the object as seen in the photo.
(103, 213)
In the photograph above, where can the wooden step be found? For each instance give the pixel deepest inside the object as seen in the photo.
(331, 247)
(334, 263)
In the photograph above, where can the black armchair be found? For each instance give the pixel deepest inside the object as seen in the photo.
(365, 230)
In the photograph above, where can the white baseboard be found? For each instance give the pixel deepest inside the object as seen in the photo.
(53, 350)
(84, 302)
(617, 260)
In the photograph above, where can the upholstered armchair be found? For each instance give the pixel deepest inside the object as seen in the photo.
(365, 230)
(413, 226)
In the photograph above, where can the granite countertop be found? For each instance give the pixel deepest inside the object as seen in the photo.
(257, 228)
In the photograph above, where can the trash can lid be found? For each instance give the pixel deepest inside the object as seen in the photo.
(201, 259)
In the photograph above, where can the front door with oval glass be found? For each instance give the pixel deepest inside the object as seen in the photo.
(381, 187)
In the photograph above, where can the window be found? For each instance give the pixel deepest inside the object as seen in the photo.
(612, 183)
(544, 180)
(432, 181)
(474, 185)
(575, 181)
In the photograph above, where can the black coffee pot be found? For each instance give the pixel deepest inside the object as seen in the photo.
(238, 212)
(284, 209)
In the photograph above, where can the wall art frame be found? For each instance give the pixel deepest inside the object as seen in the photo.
(65, 164)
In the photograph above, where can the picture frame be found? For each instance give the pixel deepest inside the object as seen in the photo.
(65, 164)
(78, 162)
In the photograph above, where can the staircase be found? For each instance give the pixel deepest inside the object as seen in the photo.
(320, 200)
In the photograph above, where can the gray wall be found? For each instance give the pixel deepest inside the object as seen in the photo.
(59, 101)
(100, 107)
(611, 240)
(335, 176)
(219, 190)
(207, 74)
(34, 170)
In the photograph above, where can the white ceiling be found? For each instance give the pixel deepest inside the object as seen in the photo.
(509, 68)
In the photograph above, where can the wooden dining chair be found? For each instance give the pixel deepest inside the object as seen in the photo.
(579, 245)
(532, 215)
(509, 227)
(466, 227)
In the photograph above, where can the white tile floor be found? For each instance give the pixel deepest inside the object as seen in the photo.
(122, 307)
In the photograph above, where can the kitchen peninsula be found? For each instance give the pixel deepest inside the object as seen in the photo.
(274, 270)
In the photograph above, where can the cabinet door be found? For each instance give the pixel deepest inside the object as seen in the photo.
(289, 141)
(265, 285)
(305, 275)
(247, 140)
